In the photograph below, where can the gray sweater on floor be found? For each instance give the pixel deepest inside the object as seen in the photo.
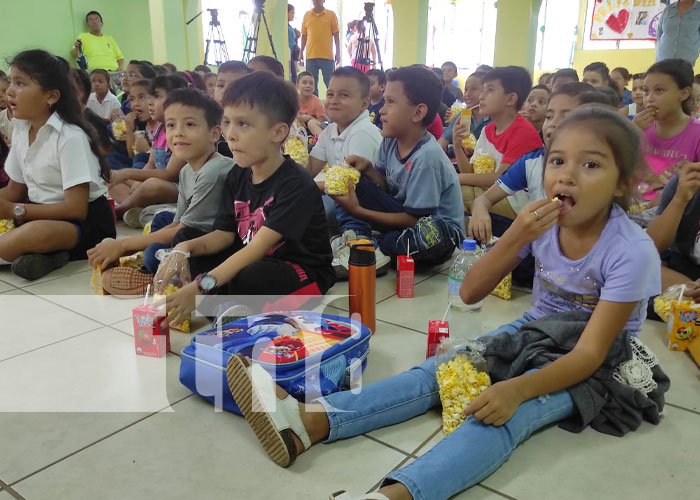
(608, 405)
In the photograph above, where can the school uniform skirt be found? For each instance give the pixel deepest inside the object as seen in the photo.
(98, 225)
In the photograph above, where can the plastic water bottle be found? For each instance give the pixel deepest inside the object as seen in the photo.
(466, 259)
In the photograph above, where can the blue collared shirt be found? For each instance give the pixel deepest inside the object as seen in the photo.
(679, 36)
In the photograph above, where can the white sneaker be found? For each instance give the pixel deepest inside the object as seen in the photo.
(382, 262)
(341, 254)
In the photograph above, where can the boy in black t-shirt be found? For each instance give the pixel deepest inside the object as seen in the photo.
(271, 216)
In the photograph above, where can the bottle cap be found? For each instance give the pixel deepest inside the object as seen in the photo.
(469, 245)
(362, 254)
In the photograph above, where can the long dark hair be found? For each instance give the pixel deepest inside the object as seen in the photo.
(53, 73)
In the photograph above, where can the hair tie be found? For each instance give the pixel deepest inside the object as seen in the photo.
(189, 77)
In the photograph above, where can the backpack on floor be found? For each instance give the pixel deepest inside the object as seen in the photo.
(307, 353)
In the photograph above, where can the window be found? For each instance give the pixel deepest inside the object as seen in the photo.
(464, 33)
(589, 44)
(556, 37)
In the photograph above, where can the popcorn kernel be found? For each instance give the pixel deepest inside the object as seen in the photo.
(6, 225)
(469, 142)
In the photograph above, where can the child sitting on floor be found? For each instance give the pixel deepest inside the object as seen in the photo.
(134, 189)
(271, 219)
(229, 72)
(503, 141)
(62, 179)
(535, 107)
(311, 110)
(192, 127)
(6, 126)
(101, 101)
(676, 231)
(411, 190)
(377, 84)
(586, 272)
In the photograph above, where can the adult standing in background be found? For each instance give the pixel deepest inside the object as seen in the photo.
(292, 37)
(678, 34)
(318, 30)
(101, 50)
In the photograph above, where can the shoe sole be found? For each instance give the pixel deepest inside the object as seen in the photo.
(34, 266)
(125, 281)
(131, 218)
(276, 444)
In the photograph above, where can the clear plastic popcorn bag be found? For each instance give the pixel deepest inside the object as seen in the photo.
(173, 273)
(462, 375)
(672, 295)
(337, 178)
(118, 125)
(296, 145)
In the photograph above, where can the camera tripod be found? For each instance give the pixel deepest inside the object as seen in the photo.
(215, 36)
(251, 39)
(363, 59)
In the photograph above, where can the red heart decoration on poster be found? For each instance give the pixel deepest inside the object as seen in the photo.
(618, 22)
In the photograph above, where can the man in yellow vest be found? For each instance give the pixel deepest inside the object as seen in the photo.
(101, 50)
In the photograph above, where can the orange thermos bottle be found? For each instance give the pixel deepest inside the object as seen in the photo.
(362, 268)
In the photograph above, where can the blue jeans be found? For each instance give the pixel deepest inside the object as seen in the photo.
(463, 458)
(118, 161)
(431, 241)
(160, 220)
(326, 66)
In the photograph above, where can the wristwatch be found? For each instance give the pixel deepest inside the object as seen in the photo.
(19, 212)
(206, 283)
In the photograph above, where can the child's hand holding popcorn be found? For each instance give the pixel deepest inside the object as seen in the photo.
(497, 404)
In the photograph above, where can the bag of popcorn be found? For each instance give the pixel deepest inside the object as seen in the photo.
(664, 302)
(173, 273)
(296, 145)
(462, 375)
(504, 289)
(337, 178)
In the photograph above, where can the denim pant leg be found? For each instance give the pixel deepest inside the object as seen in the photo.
(139, 160)
(371, 197)
(149, 256)
(431, 241)
(117, 161)
(327, 68)
(391, 400)
(475, 450)
(313, 66)
(162, 219)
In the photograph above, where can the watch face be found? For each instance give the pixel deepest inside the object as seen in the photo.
(207, 282)
(19, 210)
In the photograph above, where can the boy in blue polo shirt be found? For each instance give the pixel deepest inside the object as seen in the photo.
(411, 195)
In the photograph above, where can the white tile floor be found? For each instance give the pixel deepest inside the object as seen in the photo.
(82, 417)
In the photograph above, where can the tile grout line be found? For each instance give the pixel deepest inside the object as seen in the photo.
(420, 446)
(391, 446)
(6, 487)
(53, 343)
(678, 407)
(103, 438)
(397, 467)
(131, 337)
(71, 310)
(32, 283)
(495, 492)
(401, 326)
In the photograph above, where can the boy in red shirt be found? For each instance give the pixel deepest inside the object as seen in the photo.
(503, 141)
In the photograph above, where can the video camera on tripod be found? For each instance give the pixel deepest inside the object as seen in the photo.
(365, 51)
(251, 40)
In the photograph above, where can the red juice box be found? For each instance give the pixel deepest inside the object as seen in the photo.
(113, 207)
(151, 332)
(437, 330)
(404, 280)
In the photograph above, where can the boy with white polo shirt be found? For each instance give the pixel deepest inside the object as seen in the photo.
(351, 133)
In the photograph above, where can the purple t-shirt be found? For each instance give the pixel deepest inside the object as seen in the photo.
(662, 156)
(623, 266)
